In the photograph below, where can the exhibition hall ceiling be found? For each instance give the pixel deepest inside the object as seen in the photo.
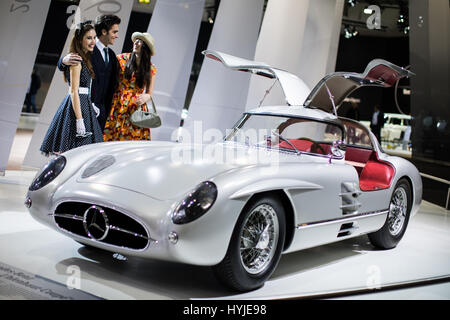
(394, 16)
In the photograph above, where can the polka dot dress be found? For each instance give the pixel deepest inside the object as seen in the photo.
(61, 134)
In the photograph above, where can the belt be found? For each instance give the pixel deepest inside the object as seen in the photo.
(82, 90)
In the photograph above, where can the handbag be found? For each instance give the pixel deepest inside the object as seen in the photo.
(146, 119)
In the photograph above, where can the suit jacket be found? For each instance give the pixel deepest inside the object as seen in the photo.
(105, 82)
(106, 79)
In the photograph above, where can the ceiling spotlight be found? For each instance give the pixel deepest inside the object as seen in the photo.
(352, 2)
(350, 31)
(210, 20)
(368, 11)
(403, 21)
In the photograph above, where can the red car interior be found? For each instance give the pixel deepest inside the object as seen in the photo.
(305, 145)
(374, 174)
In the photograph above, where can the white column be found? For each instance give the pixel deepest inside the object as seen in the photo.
(300, 37)
(220, 94)
(279, 45)
(21, 26)
(321, 40)
(175, 25)
(88, 10)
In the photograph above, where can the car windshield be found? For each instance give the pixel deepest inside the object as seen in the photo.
(286, 133)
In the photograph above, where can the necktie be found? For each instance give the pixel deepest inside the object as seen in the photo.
(106, 56)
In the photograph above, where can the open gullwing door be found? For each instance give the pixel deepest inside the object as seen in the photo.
(295, 90)
(340, 85)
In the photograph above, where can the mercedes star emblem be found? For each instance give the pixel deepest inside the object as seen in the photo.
(95, 223)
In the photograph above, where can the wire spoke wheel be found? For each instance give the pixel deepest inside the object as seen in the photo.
(259, 238)
(255, 246)
(397, 211)
(397, 218)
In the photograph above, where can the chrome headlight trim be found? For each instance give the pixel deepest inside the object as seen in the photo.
(51, 170)
(196, 203)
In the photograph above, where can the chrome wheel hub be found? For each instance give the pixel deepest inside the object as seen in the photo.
(397, 211)
(259, 238)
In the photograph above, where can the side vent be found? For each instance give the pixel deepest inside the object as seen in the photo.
(350, 194)
(347, 229)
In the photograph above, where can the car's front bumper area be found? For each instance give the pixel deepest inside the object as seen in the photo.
(138, 225)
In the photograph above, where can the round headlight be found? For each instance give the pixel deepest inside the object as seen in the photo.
(196, 204)
(50, 172)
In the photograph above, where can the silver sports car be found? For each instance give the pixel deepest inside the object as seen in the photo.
(285, 178)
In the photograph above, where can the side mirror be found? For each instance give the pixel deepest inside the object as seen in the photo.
(337, 150)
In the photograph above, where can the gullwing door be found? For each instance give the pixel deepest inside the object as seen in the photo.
(339, 85)
(295, 90)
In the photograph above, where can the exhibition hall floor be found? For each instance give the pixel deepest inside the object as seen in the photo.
(39, 263)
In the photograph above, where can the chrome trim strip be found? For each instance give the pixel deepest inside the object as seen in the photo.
(341, 219)
(74, 217)
(351, 205)
(67, 216)
(131, 233)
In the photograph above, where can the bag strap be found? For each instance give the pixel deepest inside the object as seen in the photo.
(153, 105)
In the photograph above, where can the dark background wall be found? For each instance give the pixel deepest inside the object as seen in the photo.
(355, 53)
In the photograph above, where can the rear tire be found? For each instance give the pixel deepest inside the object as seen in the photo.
(397, 219)
(255, 247)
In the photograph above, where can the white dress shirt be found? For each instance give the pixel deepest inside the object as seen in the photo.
(101, 47)
(375, 118)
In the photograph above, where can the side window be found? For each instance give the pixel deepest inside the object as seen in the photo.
(357, 136)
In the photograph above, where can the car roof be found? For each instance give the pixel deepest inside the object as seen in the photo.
(397, 115)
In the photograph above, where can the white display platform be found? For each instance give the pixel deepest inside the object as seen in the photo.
(423, 254)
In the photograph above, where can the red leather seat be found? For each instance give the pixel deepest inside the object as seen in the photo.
(302, 145)
(376, 175)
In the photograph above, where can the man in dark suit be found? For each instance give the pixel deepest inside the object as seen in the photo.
(104, 63)
(377, 122)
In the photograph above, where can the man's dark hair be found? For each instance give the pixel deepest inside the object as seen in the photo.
(105, 22)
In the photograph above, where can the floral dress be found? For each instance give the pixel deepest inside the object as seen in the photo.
(118, 126)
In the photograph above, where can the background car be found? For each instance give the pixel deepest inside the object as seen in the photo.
(395, 126)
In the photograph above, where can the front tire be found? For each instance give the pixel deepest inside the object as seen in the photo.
(255, 247)
(397, 220)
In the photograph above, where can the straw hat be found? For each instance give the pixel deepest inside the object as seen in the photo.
(147, 38)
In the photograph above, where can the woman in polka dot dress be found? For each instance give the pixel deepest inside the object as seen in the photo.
(75, 123)
(136, 81)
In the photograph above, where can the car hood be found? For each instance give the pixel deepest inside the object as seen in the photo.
(169, 170)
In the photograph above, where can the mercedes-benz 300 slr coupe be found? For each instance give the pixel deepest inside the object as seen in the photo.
(298, 176)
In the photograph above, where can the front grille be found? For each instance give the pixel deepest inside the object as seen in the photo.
(102, 224)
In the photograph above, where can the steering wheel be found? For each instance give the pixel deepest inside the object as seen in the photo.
(314, 145)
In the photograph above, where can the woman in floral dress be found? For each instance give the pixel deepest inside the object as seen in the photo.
(136, 82)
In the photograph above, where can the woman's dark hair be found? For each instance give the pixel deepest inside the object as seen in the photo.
(105, 22)
(142, 72)
(76, 45)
